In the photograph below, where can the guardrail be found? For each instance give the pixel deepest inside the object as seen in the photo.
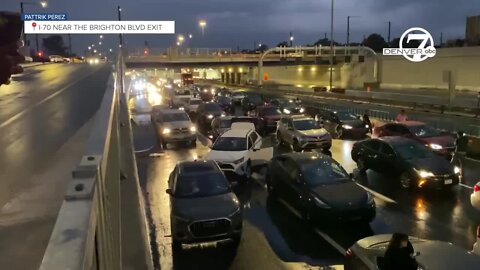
(87, 233)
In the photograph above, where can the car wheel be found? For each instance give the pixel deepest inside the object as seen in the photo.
(362, 167)
(279, 139)
(176, 246)
(406, 181)
(296, 146)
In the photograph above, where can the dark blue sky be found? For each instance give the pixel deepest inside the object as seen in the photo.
(233, 23)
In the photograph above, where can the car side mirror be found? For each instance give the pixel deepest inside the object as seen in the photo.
(169, 191)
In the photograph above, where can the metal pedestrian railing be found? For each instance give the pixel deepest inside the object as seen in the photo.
(87, 233)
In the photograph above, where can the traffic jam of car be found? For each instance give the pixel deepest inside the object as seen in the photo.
(292, 151)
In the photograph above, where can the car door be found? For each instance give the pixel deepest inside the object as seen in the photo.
(329, 122)
(289, 131)
(256, 152)
(279, 175)
(293, 184)
(372, 155)
(386, 158)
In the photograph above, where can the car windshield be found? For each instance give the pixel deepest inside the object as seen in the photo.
(195, 102)
(345, 116)
(306, 124)
(225, 123)
(323, 172)
(255, 99)
(412, 150)
(201, 185)
(174, 117)
(270, 111)
(223, 100)
(238, 94)
(424, 131)
(212, 107)
(230, 144)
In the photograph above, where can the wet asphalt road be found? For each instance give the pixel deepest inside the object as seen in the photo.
(44, 116)
(275, 238)
(39, 111)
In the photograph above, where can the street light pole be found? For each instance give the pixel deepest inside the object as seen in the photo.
(331, 47)
(291, 39)
(120, 37)
(23, 27)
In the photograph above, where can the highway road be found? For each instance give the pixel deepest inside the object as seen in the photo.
(45, 115)
(275, 238)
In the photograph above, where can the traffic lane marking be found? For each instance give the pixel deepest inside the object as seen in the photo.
(323, 235)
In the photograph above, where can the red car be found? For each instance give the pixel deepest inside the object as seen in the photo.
(268, 116)
(440, 142)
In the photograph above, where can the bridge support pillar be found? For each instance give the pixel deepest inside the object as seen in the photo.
(232, 77)
(238, 78)
(227, 77)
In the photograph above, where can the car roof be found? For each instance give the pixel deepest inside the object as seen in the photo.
(395, 139)
(236, 133)
(302, 157)
(412, 123)
(299, 117)
(170, 111)
(197, 166)
(265, 107)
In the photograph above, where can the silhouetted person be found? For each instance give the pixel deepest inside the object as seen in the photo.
(399, 254)
(401, 116)
(366, 121)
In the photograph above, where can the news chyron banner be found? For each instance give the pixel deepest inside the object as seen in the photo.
(58, 23)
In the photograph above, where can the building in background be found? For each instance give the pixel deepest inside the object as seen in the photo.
(472, 33)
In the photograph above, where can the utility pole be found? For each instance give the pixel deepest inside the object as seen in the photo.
(441, 39)
(331, 47)
(389, 31)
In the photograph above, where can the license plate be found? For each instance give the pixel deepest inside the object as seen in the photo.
(448, 181)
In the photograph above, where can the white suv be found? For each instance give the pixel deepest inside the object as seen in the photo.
(235, 150)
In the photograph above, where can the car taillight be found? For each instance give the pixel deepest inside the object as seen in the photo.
(476, 188)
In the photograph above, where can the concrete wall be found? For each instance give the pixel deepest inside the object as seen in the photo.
(397, 72)
(394, 72)
(351, 75)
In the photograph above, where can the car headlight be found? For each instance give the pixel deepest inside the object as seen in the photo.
(210, 116)
(367, 126)
(435, 146)
(222, 115)
(424, 173)
(182, 108)
(347, 126)
(166, 131)
(193, 129)
(235, 212)
(238, 161)
(287, 111)
(205, 90)
(320, 203)
(302, 110)
(457, 170)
